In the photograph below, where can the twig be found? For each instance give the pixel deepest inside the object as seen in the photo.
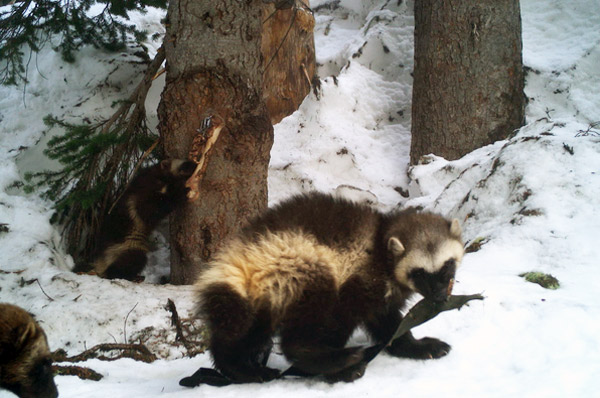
(590, 130)
(18, 272)
(175, 321)
(42, 289)
(125, 323)
(183, 328)
(29, 282)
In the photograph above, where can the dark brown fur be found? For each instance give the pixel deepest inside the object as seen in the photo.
(315, 268)
(25, 362)
(123, 240)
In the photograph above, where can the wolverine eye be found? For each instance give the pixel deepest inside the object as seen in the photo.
(187, 168)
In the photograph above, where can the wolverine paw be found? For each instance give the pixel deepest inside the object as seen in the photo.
(268, 374)
(347, 375)
(425, 348)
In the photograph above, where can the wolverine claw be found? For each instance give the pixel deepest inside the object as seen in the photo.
(207, 376)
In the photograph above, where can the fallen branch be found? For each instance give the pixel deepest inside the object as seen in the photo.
(138, 352)
(79, 371)
(201, 146)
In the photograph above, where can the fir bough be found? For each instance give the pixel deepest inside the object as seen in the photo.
(26, 26)
(97, 161)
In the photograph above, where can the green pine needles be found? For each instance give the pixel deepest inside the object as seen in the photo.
(26, 26)
(97, 161)
(78, 150)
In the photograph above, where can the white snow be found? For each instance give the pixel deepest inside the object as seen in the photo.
(532, 200)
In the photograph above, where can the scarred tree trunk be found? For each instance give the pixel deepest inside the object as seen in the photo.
(213, 54)
(288, 50)
(468, 78)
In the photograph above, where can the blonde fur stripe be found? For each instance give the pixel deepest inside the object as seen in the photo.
(276, 268)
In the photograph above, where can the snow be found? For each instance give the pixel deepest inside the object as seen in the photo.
(532, 200)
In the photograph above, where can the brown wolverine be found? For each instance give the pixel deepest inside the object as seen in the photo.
(25, 362)
(123, 240)
(313, 269)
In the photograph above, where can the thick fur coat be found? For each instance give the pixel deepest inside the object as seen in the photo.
(315, 268)
(25, 361)
(123, 240)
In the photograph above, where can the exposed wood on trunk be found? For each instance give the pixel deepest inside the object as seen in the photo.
(202, 145)
(214, 68)
(288, 50)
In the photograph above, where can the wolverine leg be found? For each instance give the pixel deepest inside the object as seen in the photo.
(382, 327)
(407, 346)
(240, 340)
(314, 333)
(127, 265)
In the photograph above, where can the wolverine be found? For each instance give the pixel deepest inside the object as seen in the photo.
(313, 269)
(25, 361)
(122, 243)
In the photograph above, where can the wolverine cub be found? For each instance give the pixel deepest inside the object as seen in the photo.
(123, 240)
(313, 269)
(25, 362)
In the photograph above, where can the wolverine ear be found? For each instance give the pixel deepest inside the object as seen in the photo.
(455, 230)
(25, 334)
(165, 165)
(395, 246)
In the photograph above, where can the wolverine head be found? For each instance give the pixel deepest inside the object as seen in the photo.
(25, 360)
(178, 168)
(426, 250)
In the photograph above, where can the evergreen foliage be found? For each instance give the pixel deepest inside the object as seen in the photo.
(97, 161)
(66, 25)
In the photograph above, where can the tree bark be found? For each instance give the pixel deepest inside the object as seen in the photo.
(213, 54)
(288, 50)
(468, 77)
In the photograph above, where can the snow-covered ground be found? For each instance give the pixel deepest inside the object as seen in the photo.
(533, 201)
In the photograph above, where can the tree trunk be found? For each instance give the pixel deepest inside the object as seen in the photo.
(288, 50)
(468, 78)
(214, 68)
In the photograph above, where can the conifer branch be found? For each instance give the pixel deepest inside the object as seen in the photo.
(26, 26)
(97, 163)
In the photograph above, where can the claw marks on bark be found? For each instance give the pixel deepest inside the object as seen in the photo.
(202, 144)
